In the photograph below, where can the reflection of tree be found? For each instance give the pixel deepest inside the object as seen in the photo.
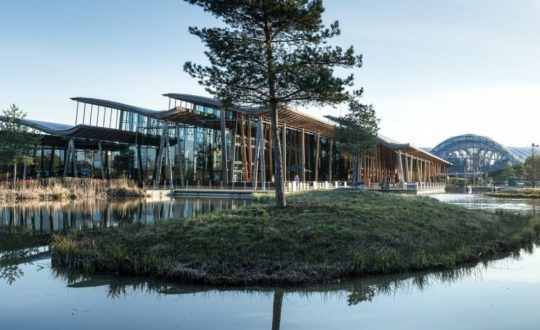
(10, 262)
(276, 310)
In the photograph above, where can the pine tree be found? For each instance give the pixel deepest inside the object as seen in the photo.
(272, 53)
(356, 134)
(16, 142)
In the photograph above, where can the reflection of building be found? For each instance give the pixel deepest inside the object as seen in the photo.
(474, 155)
(196, 142)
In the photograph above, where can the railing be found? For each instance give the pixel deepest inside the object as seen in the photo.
(290, 186)
(314, 185)
(417, 186)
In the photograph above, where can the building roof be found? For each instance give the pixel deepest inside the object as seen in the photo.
(88, 132)
(403, 147)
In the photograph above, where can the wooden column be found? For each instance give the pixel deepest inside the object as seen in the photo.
(269, 149)
(284, 151)
(180, 157)
(258, 142)
(303, 154)
(245, 173)
(233, 148)
(317, 157)
(224, 170)
(262, 155)
(406, 171)
(330, 159)
(250, 148)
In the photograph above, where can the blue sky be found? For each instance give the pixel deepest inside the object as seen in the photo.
(432, 69)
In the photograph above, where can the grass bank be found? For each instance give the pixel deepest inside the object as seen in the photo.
(319, 237)
(516, 193)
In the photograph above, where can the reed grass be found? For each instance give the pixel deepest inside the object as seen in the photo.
(516, 193)
(67, 188)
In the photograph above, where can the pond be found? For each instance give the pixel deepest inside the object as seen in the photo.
(501, 294)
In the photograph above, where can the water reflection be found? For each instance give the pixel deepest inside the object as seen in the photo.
(47, 217)
(491, 204)
(357, 291)
(499, 294)
(11, 261)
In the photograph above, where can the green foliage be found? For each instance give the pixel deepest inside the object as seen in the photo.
(532, 167)
(123, 162)
(15, 141)
(271, 54)
(271, 51)
(519, 171)
(357, 130)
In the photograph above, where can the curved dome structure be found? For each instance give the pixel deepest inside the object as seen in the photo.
(474, 154)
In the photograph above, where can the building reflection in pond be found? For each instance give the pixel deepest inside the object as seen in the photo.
(45, 217)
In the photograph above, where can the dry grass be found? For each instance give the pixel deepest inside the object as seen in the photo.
(65, 189)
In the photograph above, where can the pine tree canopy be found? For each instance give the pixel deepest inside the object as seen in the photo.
(272, 51)
(357, 130)
(15, 142)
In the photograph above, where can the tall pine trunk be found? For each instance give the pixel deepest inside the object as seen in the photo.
(276, 151)
(276, 145)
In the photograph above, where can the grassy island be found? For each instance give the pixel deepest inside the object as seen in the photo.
(516, 193)
(319, 236)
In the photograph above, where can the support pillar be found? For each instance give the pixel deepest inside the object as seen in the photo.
(224, 170)
(283, 152)
(303, 154)
(159, 160)
(67, 157)
(101, 160)
(330, 159)
(317, 156)
(180, 157)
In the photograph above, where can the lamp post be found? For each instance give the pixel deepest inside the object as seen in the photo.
(533, 145)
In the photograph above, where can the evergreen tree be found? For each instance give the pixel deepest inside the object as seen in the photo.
(356, 134)
(15, 142)
(270, 54)
(532, 169)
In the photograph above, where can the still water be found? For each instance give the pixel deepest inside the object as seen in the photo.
(502, 294)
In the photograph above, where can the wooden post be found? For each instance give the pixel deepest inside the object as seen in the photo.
(233, 148)
(224, 171)
(284, 152)
(250, 149)
(330, 159)
(317, 152)
(159, 161)
(180, 156)
(303, 154)
(406, 172)
(270, 156)
(258, 139)
(168, 159)
(262, 148)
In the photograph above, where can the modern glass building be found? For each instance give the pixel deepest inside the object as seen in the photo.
(196, 142)
(476, 155)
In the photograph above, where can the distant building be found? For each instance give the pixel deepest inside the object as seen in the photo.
(474, 155)
(197, 142)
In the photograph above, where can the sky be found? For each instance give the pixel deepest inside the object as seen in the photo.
(432, 69)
